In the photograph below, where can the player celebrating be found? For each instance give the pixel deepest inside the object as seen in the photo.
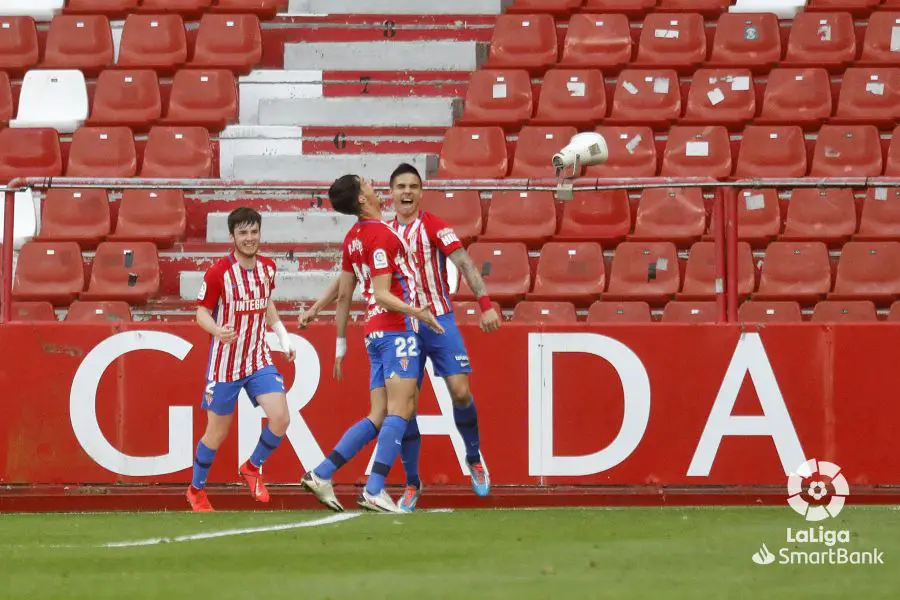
(235, 304)
(376, 256)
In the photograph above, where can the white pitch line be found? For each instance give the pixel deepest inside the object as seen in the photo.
(231, 532)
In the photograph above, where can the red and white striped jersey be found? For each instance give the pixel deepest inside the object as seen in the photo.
(431, 240)
(238, 297)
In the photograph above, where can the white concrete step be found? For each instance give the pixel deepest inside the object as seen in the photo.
(386, 56)
(397, 7)
(318, 167)
(305, 286)
(361, 112)
(301, 227)
(254, 140)
(268, 84)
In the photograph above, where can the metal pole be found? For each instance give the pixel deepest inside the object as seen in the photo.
(719, 229)
(9, 209)
(731, 268)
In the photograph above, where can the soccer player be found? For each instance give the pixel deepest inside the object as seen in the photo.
(235, 304)
(433, 241)
(377, 257)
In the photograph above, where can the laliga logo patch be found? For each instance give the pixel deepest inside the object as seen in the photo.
(811, 480)
(379, 258)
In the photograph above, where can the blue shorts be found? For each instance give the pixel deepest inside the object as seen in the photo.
(447, 352)
(393, 353)
(221, 397)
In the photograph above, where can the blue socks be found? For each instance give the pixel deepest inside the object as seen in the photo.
(202, 462)
(386, 452)
(409, 452)
(353, 441)
(268, 441)
(467, 423)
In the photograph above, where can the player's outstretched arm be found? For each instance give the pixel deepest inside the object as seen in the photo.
(328, 296)
(346, 283)
(387, 300)
(277, 326)
(490, 320)
(226, 334)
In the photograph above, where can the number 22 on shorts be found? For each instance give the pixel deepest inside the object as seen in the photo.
(406, 347)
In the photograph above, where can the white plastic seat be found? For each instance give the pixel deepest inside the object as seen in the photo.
(40, 10)
(53, 98)
(26, 223)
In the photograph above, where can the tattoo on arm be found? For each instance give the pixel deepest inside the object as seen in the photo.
(469, 271)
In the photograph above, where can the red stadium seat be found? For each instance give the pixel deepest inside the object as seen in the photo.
(461, 210)
(797, 97)
(821, 40)
(29, 152)
(524, 42)
(203, 98)
(868, 271)
(264, 9)
(528, 217)
(498, 98)
(557, 8)
(721, 97)
(153, 42)
(571, 97)
(75, 216)
(647, 98)
(469, 313)
(893, 316)
(847, 151)
(177, 152)
(698, 152)
(798, 271)
(869, 96)
(644, 271)
(19, 48)
(672, 41)
(82, 311)
(758, 216)
(746, 40)
(827, 215)
(892, 165)
(879, 40)
(772, 151)
(113, 9)
(505, 270)
(757, 311)
(186, 8)
(632, 153)
(547, 313)
(598, 41)
(32, 311)
(619, 312)
(602, 216)
(128, 98)
(82, 42)
(684, 311)
(126, 271)
(535, 150)
(156, 216)
(231, 42)
(880, 220)
(571, 272)
(700, 273)
(632, 8)
(858, 8)
(50, 271)
(6, 100)
(851, 311)
(102, 152)
(709, 8)
(670, 214)
(474, 153)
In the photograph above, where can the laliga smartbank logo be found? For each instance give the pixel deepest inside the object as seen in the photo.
(817, 491)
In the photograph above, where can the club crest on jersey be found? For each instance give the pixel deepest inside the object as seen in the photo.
(380, 259)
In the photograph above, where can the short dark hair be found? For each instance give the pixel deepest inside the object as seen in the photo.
(344, 194)
(243, 215)
(403, 169)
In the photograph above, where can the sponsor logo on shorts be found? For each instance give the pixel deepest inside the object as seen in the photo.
(404, 363)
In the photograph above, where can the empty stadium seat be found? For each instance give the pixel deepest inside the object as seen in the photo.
(102, 152)
(821, 40)
(700, 273)
(892, 164)
(646, 98)
(528, 217)
(598, 41)
(177, 152)
(619, 312)
(113, 9)
(772, 151)
(602, 216)
(797, 97)
(827, 215)
(156, 216)
(535, 150)
(632, 8)
(698, 152)
(19, 47)
(721, 97)
(49, 271)
(797, 271)
(553, 7)
(50, 98)
(632, 153)
(40, 10)
(80, 216)
(879, 48)
(32, 311)
(82, 42)
(644, 271)
(505, 270)
(847, 151)
(851, 311)
(29, 152)
(460, 209)
(546, 313)
(868, 270)
(673, 41)
(231, 42)
(203, 98)
(474, 153)
(130, 98)
(571, 272)
(880, 219)
(893, 316)
(186, 8)
(869, 95)
(571, 97)
(673, 214)
(758, 311)
(524, 42)
(153, 42)
(758, 216)
(126, 271)
(684, 311)
(469, 313)
(83, 311)
(746, 40)
(498, 98)
(6, 100)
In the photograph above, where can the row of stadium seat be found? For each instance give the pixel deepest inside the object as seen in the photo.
(187, 8)
(80, 311)
(708, 7)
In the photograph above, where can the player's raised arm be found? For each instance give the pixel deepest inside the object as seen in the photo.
(387, 300)
(277, 326)
(490, 320)
(328, 296)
